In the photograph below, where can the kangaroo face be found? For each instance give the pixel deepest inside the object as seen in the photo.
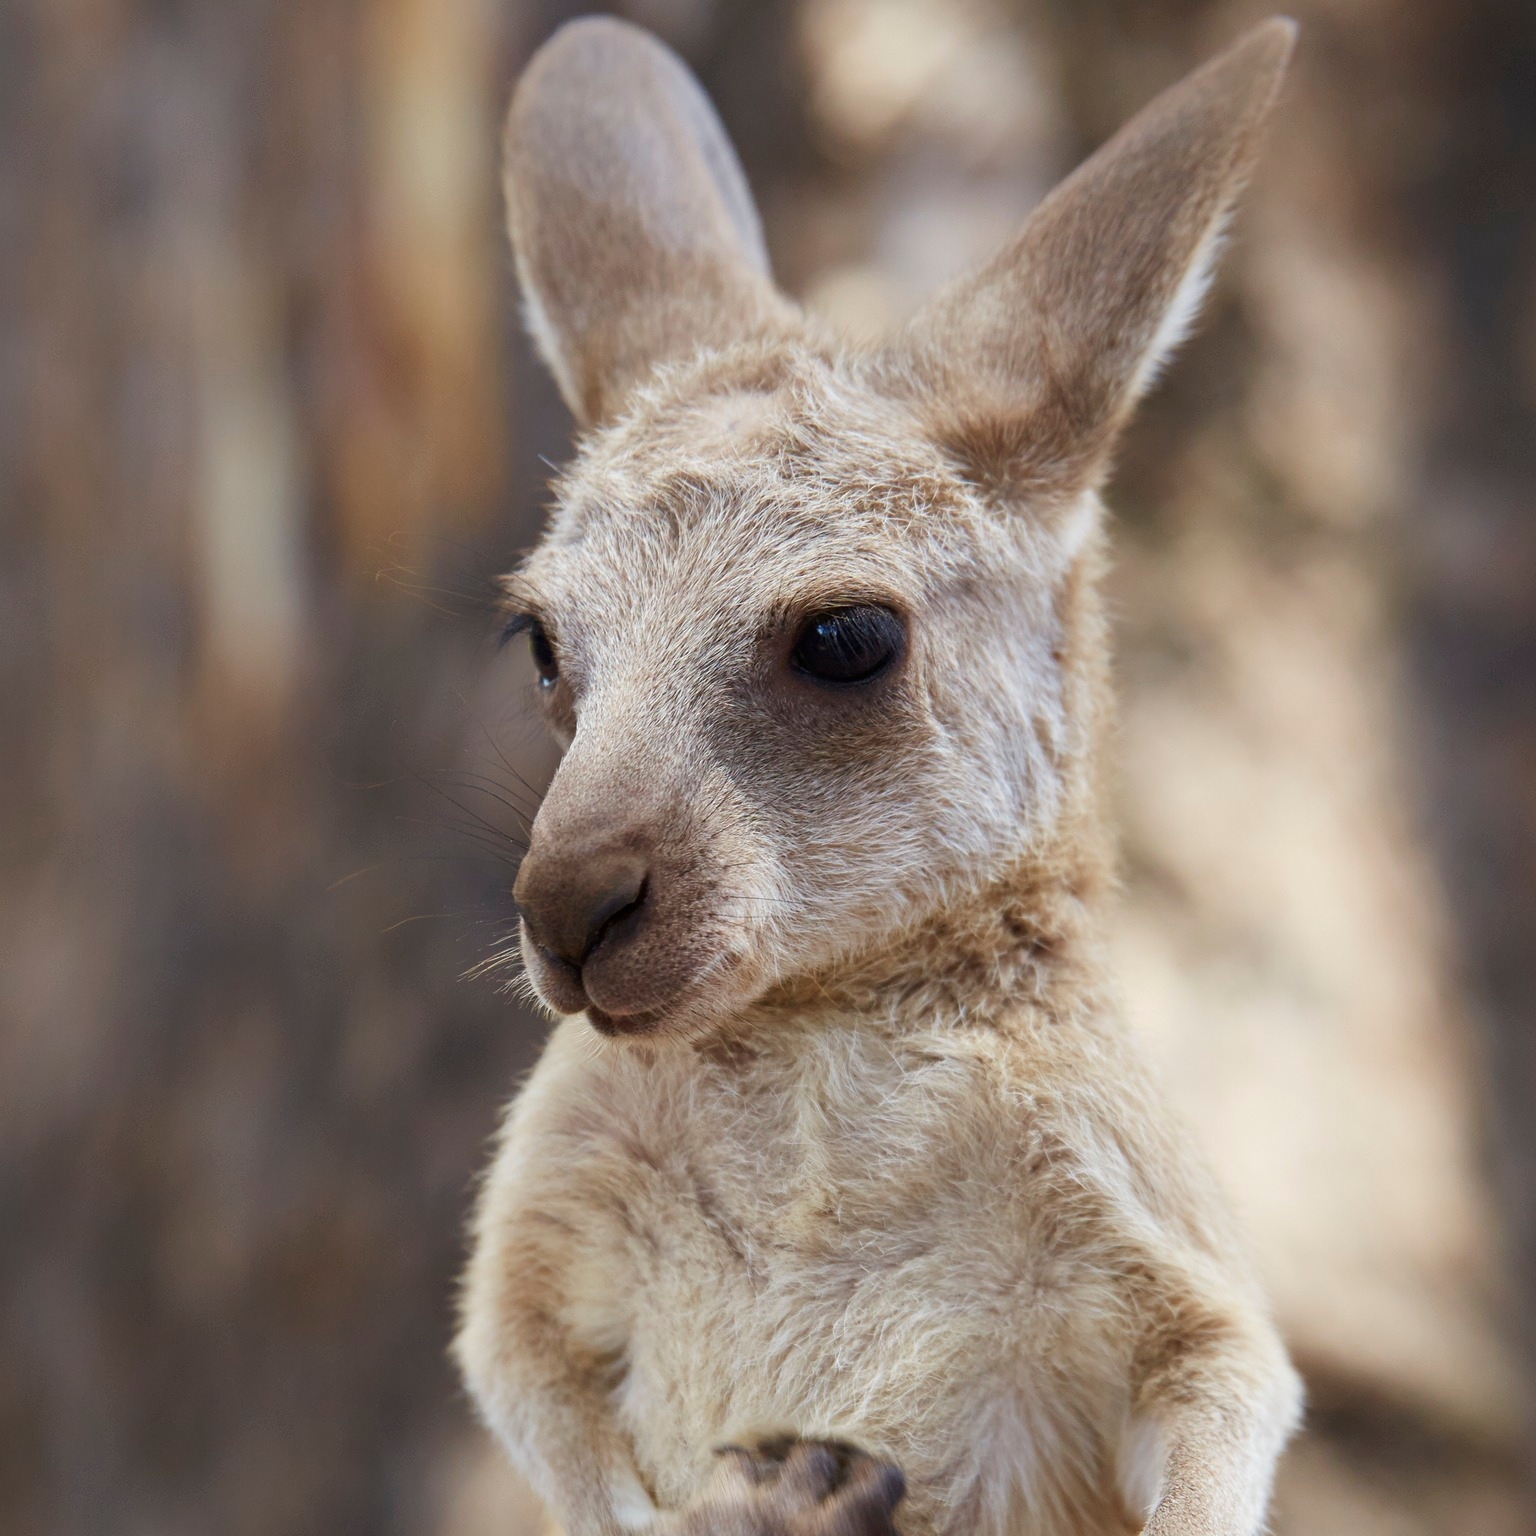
(809, 625)
(804, 678)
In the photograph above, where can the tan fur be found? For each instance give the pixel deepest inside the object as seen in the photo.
(868, 1154)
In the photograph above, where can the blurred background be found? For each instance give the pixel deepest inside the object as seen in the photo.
(268, 430)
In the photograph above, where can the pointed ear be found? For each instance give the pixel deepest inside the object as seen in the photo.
(1029, 367)
(635, 236)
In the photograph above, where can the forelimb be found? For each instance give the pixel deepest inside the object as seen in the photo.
(1218, 1390)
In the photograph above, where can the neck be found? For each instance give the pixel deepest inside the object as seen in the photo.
(1024, 943)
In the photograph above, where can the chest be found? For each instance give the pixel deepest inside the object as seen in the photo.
(839, 1194)
(871, 1254)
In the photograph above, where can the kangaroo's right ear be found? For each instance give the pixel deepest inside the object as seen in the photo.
(635, 236)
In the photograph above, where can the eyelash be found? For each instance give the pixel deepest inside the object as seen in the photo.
(518, 624)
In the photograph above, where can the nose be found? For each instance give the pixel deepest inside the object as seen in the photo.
(571, 906)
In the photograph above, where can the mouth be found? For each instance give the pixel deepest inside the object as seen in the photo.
(630, 996)
(562, 986)
(616, 1024)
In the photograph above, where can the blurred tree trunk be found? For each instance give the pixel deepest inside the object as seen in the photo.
(1410, 142)
(1471, 209)
(251, 330)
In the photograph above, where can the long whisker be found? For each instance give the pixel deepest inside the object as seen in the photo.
(495, 844)
(505, 760)
(472, 784)
(437, 789)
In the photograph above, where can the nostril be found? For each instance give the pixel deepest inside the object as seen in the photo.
(570, 904)
(613, 909)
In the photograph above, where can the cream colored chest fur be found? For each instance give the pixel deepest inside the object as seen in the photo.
(844, 1234)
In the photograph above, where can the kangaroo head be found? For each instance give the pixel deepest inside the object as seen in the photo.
(815, 628)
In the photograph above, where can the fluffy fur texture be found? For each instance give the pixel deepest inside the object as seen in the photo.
(863, 1152)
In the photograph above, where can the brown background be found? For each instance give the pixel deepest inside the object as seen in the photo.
(267, 430)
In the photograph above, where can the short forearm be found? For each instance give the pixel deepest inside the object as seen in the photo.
(576, 1459)
(1213, 1488)
(546, 1394)
(1225, 1417)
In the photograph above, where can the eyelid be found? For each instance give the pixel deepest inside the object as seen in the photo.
(518, 624)
(839, 599)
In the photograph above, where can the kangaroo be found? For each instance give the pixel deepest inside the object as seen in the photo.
(840, 1155)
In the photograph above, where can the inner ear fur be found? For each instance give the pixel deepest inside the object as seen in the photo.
(1028, 368)
(635, 237)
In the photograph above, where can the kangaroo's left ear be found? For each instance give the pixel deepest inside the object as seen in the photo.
(1028, 368)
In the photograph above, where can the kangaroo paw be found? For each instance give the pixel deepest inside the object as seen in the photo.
(791, 1487)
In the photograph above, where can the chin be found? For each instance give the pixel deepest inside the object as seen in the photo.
(632, 1026)
(695, 1015)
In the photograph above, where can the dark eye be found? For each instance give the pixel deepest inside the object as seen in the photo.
(543, 655)
(848, 645)
(538, 643)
